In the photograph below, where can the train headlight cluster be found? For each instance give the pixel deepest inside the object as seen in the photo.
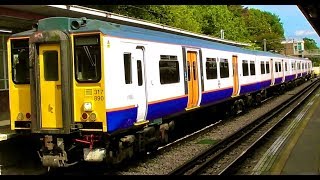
(87, 106)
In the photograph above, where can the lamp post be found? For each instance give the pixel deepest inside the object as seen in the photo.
(264, 45)
(222, 33)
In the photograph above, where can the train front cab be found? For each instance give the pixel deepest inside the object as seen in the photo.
(19, 84)
(64, 103)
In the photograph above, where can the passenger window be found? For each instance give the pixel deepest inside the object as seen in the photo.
(211, 68)
(262, 67)
(224, 68)
(139, 71)
(279, 64)
(169, 69)
(127, 68)
(286, 66)
(87, 58)
(245, 69)
(267, 67)
(50, 63)
(188, 70)
(252, 68)
(293, 66)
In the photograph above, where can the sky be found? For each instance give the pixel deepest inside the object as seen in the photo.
(295, 24)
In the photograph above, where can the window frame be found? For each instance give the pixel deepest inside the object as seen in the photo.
(254, 67)
(98, 35)
(267, 67)
(212, 60)
(247, 66)
(130, 66)
(225, 61)
(12, 59)
(263, 67)
(175, 59)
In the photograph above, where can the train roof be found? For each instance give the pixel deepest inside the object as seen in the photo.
(139, 33)
(24, 33)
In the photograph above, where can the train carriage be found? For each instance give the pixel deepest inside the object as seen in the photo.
(112, 90)
(19, 81)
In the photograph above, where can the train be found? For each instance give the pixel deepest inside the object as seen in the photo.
(99, 91)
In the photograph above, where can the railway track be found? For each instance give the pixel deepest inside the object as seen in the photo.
(225, 155)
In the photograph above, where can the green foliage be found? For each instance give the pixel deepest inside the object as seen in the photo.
(238, 23)
(217, 18)
(264, 25)
(310, 44)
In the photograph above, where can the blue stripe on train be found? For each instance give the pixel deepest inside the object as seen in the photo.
(278, 80)
(125, 118)
(212, 97)
(290, 77)
(165, 108)
(121, 119)
(254, 87)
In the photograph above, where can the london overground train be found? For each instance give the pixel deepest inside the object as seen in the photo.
(102, 91)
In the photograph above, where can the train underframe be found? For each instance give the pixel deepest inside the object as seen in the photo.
(66, 150)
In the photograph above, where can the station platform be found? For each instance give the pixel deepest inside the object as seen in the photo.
(297, 150)
(5, 130)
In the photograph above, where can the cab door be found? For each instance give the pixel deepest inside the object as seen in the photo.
(50, 86)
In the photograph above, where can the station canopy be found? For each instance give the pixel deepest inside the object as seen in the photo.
(312, 13)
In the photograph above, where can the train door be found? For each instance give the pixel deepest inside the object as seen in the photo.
(272, 71)
(193, 79)
(235, 76)
(283, 70)
(140, 92)
(297, 69)
(50, 86)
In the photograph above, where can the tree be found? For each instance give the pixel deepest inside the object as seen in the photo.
(238, 23)
(215, 18)
(310, 44)
(264, 25)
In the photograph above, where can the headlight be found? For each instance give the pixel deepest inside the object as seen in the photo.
(87, 106)
(92, 116)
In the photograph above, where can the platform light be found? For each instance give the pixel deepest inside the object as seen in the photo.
(5, 31)
(59, 6)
